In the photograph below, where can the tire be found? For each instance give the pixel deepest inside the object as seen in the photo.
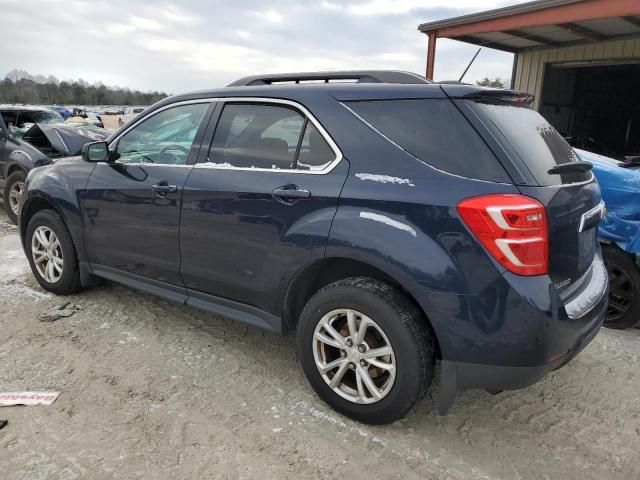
(624, 288)
(67, 281)
(396, 322)
(15, 181)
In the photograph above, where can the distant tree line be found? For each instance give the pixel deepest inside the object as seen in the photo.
(494, 82)
(19, 86)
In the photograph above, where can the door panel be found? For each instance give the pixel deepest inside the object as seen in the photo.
(241, 242)
(251, 216)
(129, 226)
(132, 206)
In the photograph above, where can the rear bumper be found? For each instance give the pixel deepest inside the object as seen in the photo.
(497, 377)
(516, 332)
(465, 375)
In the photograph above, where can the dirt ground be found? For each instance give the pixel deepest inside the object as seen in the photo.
(156, 390)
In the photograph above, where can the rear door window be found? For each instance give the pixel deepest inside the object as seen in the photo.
(315, 153)
(434, 131)
(268, 137)
(537, 143)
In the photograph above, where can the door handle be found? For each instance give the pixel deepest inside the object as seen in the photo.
(163, 188)
(290, 193)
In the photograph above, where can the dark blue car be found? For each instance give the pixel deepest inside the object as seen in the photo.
(391, 222)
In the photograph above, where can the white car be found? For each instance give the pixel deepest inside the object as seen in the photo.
(132, 112)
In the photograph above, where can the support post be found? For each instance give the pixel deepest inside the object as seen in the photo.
(431, 54)
(514, 70)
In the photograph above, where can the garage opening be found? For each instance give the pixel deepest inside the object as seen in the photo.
(596, 106)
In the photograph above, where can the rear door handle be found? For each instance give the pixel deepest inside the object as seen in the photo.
(163, 188)
(290, 193)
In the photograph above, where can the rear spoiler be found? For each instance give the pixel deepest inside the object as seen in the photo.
(356, 76)
(488, 95)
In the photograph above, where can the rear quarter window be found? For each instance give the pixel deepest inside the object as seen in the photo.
(434, 131)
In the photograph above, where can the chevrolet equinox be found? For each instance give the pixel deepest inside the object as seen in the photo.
(390, 221)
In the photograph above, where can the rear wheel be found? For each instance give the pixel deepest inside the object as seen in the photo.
(624, 288)
(365, 349)
(13, 190)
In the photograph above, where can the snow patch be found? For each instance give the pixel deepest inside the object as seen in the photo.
(215, 165)
(7, 225)
(373, 177)
(130, 338)
(15, 292)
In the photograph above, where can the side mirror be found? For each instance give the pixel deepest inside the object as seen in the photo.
(95, 152)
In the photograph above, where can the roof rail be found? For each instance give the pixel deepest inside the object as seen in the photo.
(357, 76)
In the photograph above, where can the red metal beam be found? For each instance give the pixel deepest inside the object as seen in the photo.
(577, 12)
(431, 54)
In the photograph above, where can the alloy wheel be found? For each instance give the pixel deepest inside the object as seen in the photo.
(15, 194)
(46, 252)
(354, 356)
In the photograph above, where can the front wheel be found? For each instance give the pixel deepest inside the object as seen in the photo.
(365, 349)
(624, 288)
(13, 190)
(51, 253)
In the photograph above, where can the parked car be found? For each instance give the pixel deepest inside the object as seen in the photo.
(83, 116)
(391, 222)
(63, 111)
(30, 145)
(132, 112)
(23, 116)
(620, 235)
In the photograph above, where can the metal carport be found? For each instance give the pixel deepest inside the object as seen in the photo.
(579, 58)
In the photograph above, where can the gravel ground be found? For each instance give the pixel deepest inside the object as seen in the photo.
(156, 390)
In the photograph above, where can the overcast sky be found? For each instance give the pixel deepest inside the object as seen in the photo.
(194, 44)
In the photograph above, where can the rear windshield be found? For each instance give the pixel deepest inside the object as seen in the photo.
(537, 143)
(434, 131)
(38, 117)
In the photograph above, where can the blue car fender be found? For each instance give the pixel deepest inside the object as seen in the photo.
(621, 193)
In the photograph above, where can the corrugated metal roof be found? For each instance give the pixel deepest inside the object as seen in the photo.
(496, 13)
(543, 24)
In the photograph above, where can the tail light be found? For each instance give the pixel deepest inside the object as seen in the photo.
(513, 228)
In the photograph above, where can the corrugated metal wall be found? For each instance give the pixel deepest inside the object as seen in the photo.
(530, 67)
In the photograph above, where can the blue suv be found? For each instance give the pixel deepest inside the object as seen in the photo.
(390, 221)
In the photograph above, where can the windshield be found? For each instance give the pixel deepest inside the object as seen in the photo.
(537, 143)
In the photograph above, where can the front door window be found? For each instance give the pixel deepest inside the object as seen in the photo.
(164, 138)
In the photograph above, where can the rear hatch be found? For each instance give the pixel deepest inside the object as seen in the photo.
(549, 171)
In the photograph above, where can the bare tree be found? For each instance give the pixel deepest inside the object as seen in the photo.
(19, 86)
(493, 82)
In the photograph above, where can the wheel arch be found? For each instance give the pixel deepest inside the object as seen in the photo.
(36, 203)
(14, 167)
(24, 157)
(312, 277)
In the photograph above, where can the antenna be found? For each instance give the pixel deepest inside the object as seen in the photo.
(469, 65)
